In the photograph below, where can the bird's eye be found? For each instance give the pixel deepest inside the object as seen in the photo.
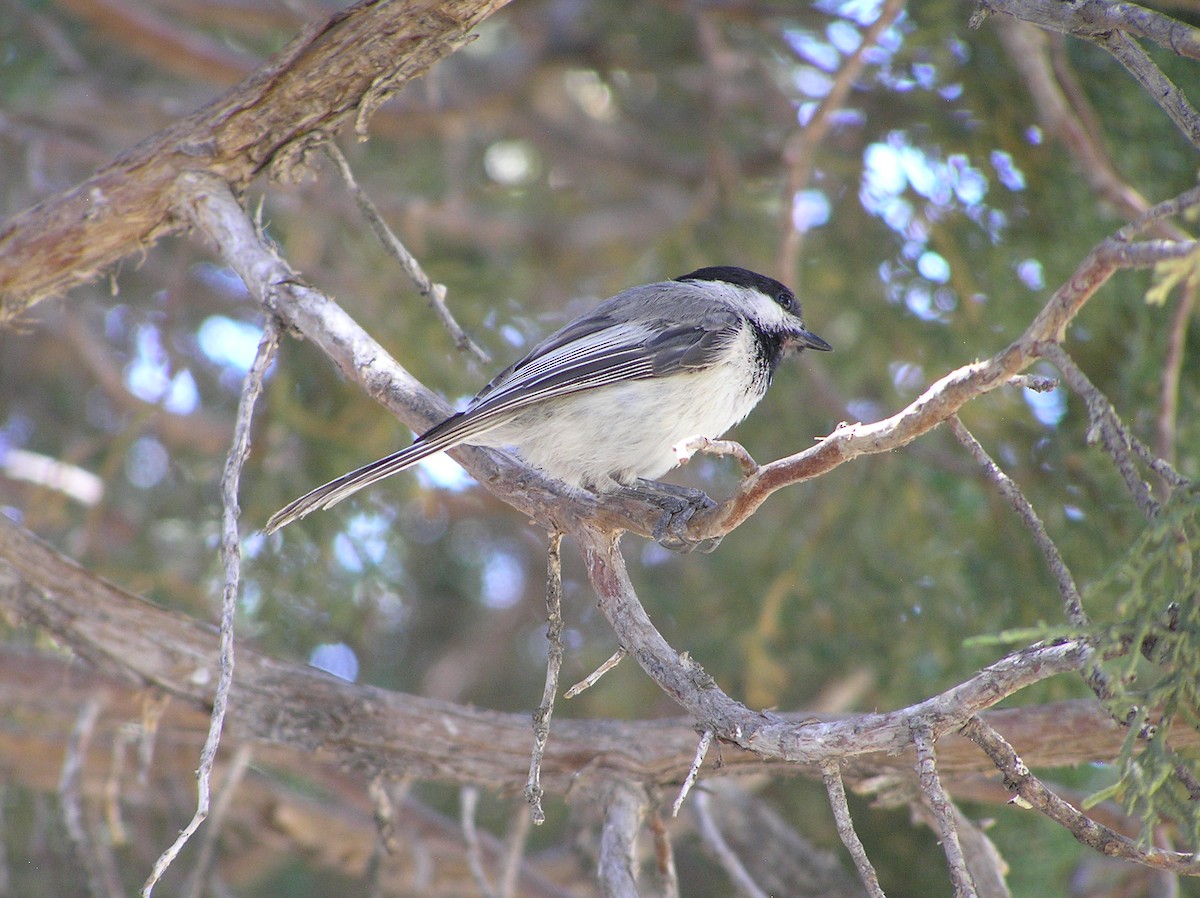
(786, 300)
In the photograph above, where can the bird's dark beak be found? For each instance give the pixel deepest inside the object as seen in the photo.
(809, 340)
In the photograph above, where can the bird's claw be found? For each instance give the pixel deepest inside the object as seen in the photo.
(678, 505)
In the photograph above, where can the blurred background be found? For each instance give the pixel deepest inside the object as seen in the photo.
(574, 149)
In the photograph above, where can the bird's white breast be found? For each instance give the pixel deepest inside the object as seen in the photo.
(615, 434)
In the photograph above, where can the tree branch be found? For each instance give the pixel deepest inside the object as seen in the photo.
(341, 67)
(1113, 26)
(836, 790)
(374, 730)
(1085, 830)
(943, 812)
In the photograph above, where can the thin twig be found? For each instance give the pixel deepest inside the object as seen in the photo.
(435, 293)
(541, 717)
(468, 797)
(208, 844)
(384, 811)
(1178, 37)
(1161, 89)
(693, 771)
(387, 794)
(714, 841)
(664, 856)
(1168, 208)
(1106, 426)
(1034, 382)
(832, 775)
(1072, 602)
(113, 819)
(689, 447)
(232, 557)
(1065, 112)
(1110, 25)
(590, 680)
(1096, 678)
(5, 871)
(943, 810)
(1086, 831)
(154, 705)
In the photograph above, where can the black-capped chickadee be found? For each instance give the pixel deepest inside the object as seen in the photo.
(602, 403)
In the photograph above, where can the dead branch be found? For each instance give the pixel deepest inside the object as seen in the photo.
(231, 557)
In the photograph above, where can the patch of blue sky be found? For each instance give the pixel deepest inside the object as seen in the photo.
(220, 278)
(1031, 274)
(363, 542)
(229, 343)
(933, 267)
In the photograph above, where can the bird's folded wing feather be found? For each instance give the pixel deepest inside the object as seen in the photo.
(591, 358)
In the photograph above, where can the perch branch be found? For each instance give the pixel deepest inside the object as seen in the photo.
(946, 396)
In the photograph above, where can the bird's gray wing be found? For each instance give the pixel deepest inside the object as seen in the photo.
(589, 355)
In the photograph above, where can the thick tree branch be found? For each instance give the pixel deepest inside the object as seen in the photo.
(344, 66)
(369, 729)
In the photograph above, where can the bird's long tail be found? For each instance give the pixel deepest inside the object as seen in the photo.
(436, 440)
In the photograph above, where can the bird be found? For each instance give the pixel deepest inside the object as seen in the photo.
(602, 403)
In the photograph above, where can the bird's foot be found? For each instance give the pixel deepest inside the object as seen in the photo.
(678, 505)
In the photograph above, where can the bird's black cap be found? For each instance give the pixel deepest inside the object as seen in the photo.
(739, 277)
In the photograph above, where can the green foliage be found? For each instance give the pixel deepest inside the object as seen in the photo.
(1154, 674)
